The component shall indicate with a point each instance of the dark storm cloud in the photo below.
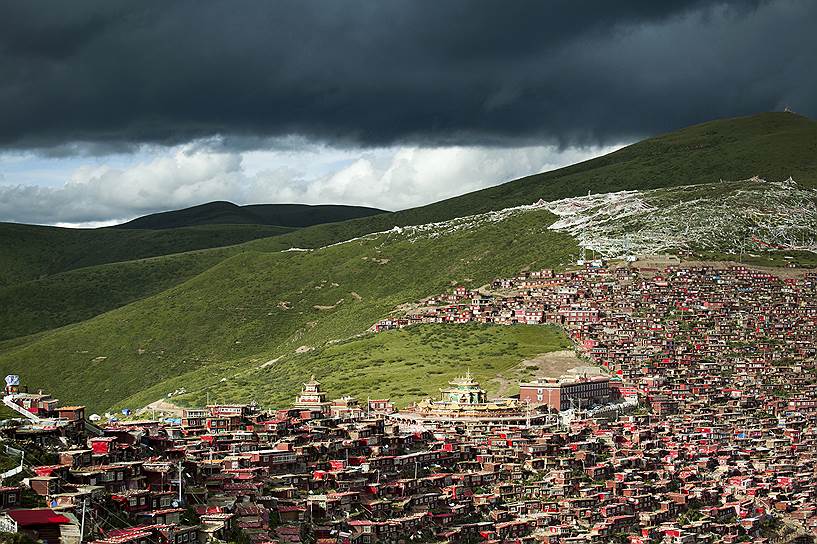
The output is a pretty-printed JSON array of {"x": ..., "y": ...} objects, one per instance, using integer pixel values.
[{"x": 120, "y": 74}]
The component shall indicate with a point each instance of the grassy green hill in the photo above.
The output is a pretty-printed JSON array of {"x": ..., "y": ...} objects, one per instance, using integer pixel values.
[
  {"x": 30, "y": 252},
  {"x": 223, "y": 314},
  {"x": 770, "y": 145},
  {"x": 403, "y": 365},
  {"x": 68, "y": 297},
  {"x": 773, "y": 146},
  {"x": 255, "y": 306},
  {"x": 282, "y": 215},
  {"x": 51, "y": 276}
]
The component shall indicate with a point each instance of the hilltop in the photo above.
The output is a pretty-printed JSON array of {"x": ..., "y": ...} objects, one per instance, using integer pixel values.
[
  {"x": 237, "y": 308},
  {"x": 52, "y": 276},
  {"x": 281, "y": 215},
  {"x": 773, "y": 146},
  {"x": 34, "y": 251}
]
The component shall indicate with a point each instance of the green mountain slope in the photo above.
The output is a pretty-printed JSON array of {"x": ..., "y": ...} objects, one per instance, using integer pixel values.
[
  {"x": 68, "y": 297},
  {"x": 264, "y": 303},
  {"x": 283, "y": 215},
  {"x": 770, "y": 145},
  {"x": 402, "y": 365},
  {"x": 773, "y": 146},
  {"x": 50, "y": 276},
  {"x": 30, "y": 251},
  {"x": 256, "y": 306}
]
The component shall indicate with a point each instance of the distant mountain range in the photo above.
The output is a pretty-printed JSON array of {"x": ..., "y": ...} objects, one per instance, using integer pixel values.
[
  {"x": 124, "y": 316},
  {"x": 227, "y": 213}
]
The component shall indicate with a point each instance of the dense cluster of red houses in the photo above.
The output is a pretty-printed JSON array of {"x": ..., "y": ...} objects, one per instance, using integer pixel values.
[
  {"x": 720, "y": 358},
  {"x": 722, "y": 448}
]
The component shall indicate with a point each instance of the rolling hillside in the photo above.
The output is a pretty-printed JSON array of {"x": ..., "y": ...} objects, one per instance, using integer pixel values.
[
  {"x": 31, "y": 252},
  {"x": 773, "y": 146},
  {"x": 194, "y": 326},
  {"x": 50, "y": 276},
  {"x": 255, "y": 306},
  {"x": 402, "y": 365},
  {"x": 280, "y": 215},
  {"x": 75, "y": 295}
]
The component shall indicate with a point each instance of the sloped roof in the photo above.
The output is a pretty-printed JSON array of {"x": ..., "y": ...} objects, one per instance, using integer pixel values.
[{"x": 37, "y": 516}]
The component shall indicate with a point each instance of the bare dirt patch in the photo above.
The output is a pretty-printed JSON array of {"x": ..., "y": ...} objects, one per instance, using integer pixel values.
[
  {"x": 545, "y": 365},
  {"x": 332, "y": 307},
  {"x": 557, "y": 363},
  {"x": 161, "y": 408}
]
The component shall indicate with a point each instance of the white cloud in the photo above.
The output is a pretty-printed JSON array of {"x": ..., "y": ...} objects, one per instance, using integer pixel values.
[
  {"x": 415, "y": 176},
  {"x": 389, "y": 178}
]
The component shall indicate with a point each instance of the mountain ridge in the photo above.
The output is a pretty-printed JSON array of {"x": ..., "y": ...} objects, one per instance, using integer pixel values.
[{"x": 221, "y": 212}]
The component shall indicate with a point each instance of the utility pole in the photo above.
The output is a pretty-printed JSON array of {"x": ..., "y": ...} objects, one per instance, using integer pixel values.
[
  {"x": 82, "y": 523},
  {"x": 180, "y": 483}
]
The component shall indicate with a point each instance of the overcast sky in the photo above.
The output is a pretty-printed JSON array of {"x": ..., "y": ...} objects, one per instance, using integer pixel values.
[{"x": 109, "y": 110}]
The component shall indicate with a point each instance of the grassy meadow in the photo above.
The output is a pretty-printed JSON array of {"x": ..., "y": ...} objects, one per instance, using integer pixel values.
[
  {"x": 404, "y": 365},
  {"x": 31, "y": 252}
]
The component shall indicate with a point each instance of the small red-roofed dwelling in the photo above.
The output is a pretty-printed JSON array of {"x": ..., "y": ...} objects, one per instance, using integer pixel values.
[
  {"x": 39, "y": 523},
  {"x": 102, "y": 445}
]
